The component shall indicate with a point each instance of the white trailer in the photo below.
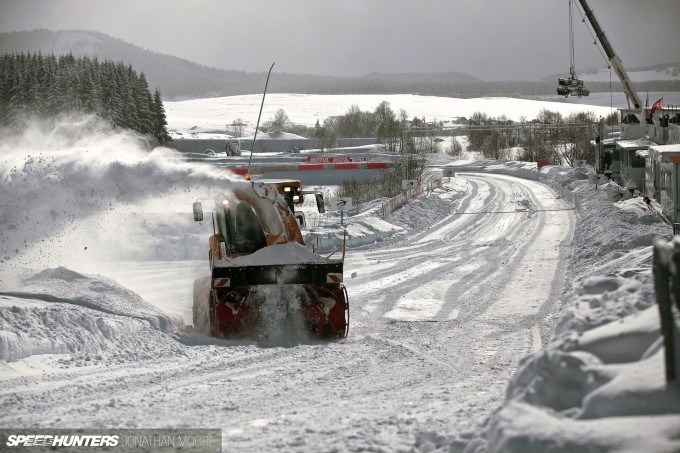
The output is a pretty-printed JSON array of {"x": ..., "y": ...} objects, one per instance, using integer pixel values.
[
  {"x": 632, "y": 154},
  {"x": 662, "y": 176}
]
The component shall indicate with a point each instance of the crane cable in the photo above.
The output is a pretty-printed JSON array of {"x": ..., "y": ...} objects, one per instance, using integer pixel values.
[
  {"x": 604, "y": 57},
  {"x": 611, "y": 93},
  {"x": 572, "y": 68},
  {"x": 583, "y": 19}
]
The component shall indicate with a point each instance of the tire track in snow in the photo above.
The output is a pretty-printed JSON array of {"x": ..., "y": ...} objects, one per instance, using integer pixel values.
[
  {"x": 410, "y": 277},
  {"x": 409, "y": 271},
  {"x": 516, "y": 234},
  {"x": 415, "y": 244},
  {"x": 477, "y": 294}
]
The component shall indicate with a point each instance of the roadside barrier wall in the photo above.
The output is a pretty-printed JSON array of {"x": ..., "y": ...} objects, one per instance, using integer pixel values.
[{"x": 404, "y": 198}]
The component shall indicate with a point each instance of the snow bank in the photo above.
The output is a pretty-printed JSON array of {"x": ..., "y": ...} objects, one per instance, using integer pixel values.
[
  {"x": 525, "y": 170},
  {"x": 359, "y": 232},
  {"x": 61, "y": 311},
  {"x": 599, "y": 385},
  {"x": 622, "y": 340},
  {"x": 522, "y": 428},
  {"x": 365, "y": 225}
]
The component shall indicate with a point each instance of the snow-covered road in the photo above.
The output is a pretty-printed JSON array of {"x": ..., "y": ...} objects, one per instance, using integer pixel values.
[{"x": 440, "y": 318}]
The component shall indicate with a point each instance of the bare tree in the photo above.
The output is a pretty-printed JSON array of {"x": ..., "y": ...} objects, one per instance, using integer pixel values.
[
  {"x": 325, "y": 135},
  {"x": 477, "y": 137},
  {"x": 350, "y": 124},
  {"x": 387, "y": 131},
  {"x": 533, "y": 144},
  {"x": 455, "y": 149},
  {"x": 551, "y": 136},
  {"x": 575, "y": 143},
  {"x": 495, "y": 146},
  {"x": 280, "y": 122},
  {"x": 237, "y": 127},
  {"x": 403, "y": 117}
]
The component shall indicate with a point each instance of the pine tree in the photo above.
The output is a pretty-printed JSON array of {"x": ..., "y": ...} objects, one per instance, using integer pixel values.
[
  {"x": 144, "y": 105},
  {"x": 17, "y": 105},
  {"x": 112, "y": 104},
  {"x": 45, "y": 86},
  {"x": 160, "y": 121}
]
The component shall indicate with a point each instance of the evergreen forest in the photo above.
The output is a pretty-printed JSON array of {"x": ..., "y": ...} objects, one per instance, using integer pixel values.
[{"x": 37, "y": 86}]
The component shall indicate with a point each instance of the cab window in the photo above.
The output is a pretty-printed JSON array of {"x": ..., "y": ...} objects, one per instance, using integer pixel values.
[{"x": 240, "y": 229}]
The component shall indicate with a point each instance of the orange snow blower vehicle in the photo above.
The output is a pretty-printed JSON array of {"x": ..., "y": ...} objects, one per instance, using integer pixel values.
[{"x": 262, "y": 274}]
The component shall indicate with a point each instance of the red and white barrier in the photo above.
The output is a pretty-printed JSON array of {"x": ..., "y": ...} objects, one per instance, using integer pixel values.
[
  {"x": 312, "y": 167},
  {"x": 336, "y": 159},
  {"x": 328, "y": 159}
]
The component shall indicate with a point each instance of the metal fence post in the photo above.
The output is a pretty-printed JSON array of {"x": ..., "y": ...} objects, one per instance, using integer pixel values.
[
  {"x": 665, "y": 285},
  {"x": 675, "y": 305}
]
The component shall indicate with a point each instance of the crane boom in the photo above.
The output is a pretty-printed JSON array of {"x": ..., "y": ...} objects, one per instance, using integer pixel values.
[{"x": 614, "y": 60}]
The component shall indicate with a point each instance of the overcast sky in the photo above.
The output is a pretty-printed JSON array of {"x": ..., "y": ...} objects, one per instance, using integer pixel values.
[{"x": 490, "y": 39}]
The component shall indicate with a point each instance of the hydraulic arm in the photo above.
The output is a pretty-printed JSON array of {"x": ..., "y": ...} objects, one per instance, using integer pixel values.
[{"x": 614, "y": 60}]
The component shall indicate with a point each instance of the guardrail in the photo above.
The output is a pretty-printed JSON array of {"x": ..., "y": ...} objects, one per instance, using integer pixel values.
[{"x": 313, "y": 167}]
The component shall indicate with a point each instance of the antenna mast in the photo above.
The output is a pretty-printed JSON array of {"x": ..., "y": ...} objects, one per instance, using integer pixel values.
[{"x": 257, "y": 126}]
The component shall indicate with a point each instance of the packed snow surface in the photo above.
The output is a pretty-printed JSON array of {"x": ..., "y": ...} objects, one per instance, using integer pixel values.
[{"x": 493, "y": 314}]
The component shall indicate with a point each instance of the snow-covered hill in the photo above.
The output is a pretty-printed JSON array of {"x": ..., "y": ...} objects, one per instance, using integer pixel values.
[{"x": 214, "y": 114}]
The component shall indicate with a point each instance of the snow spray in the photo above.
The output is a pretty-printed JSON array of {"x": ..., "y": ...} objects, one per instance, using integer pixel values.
[
  {"x": 78, "y": 192},
  {"x": 282, "y": 320}
]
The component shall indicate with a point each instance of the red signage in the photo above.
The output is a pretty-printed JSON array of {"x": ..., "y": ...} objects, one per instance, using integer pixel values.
[
  {"x": 542, "y": 162},
  {"x": 328, "y": 159}
]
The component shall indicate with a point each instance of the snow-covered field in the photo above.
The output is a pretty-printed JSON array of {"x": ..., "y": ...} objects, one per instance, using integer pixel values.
[
  {"x": 200, "y": 116},
  {"x": 613, "y": 101},
  {"x": 489, "y": 315}
]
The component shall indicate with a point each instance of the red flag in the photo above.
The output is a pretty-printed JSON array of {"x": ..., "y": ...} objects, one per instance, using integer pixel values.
[{"x": 656, "y": 106}]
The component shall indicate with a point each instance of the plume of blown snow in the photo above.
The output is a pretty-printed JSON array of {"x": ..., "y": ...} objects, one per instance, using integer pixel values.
[{"x": 70, "y": 185}]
